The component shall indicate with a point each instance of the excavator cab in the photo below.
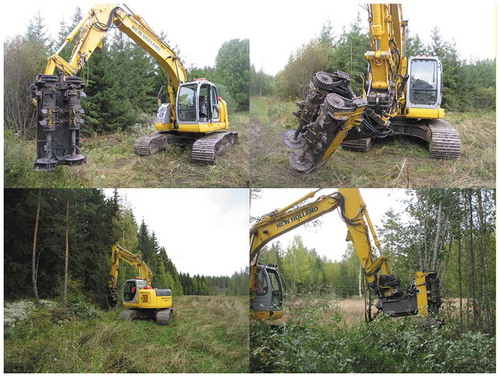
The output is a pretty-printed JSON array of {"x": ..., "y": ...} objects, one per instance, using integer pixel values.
[
  {"x": 131, "y": 288},
  {"x": 267, "y": 293},
  {"x": 197, "y": 102},
  {"x": 424, "y": 84}
]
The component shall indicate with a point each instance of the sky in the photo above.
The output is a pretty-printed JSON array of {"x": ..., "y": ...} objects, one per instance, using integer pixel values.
[
  {"x": 329, "y": 237},
  {"x": 204, "y": 231},
  {"x": 282, "y": 29},
  {"x": 195, "y": 27},
  {"x": 275, "y": 28}
]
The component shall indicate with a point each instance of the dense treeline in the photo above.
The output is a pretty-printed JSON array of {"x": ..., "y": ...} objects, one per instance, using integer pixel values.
[
  {"x": 261, "y": 84},
  {"x": 237, "y": 284},
  {"x": 467, "y": 85},
  {"x": 306, "y": 272},
  {"x": 451, "y": 232},
  {"x": 122, "y": 80},
  {"x": 36, "y": 223}
]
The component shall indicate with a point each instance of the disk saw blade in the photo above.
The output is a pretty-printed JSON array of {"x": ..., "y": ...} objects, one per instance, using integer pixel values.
[{"x": 291, "y": 141}]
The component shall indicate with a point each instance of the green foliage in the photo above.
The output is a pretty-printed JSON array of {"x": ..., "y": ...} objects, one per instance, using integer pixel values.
[
  {"x": 467, "y": 86},
  {"x": 232, "y": 69},
  {"x": 294, "y": 78},
  {"x": 89, "y": 215},
  {"x": 206, "y": 335},
  {"x": 304, "y": 271},
  {"x": 261, "y": 84},
  {"x": 23, "y": 59},
  {"x": 349, "y": 50},
  {"x": 383, "y": 346},
  {"x": 84, "y": 310},
  {"x": 120, "y": 86},
  {"x": 325, "y": 53},
  {"x": 452, "y": 233}
]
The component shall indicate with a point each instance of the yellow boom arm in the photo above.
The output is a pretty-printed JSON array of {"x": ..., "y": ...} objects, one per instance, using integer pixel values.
[
  {"x": 119, "y": 253},
  {"x": 353, "y": 212},
  {"x": 387, "y": 56},
  {"x": 93, "y": 28}
]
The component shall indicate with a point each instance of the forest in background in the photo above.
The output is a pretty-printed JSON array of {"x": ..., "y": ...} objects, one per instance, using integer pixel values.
[
  {"x": 94, "y": 224},
  {"x": 448, "y": 231},
  {"x": 122, "y": 79},
  {"x": 468, "y": 85}
]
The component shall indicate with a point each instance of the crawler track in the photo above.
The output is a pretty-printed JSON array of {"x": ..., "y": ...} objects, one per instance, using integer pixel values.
[
  {"x": 444, "y": 141},
  {"x": 361, "y": 145},
  {"x": 151, "y": 144},
  {"x": 163, "y": 317},
  {"x": 205, "y": 148},
  {"x": 208, "y": 148}
]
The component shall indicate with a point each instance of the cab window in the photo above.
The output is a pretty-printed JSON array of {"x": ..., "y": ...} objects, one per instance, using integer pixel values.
[
  {"x": 129, "y": 291},
  {"x": 424, "y": 82},
  {"x": 261, "y": 287},
  {"x": 186, "y": 103},
  {"x": 204, "y": 103},
  {"x": 214, "y": 99},
  {"x": 277, "y": 298}
]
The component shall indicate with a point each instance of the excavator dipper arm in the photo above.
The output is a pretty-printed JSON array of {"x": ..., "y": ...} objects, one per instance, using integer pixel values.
[{"x": 118, "y": 254}]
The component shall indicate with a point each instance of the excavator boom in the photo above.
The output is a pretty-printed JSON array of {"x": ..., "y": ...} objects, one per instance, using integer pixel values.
[
  {"x": 94, "y": 27},
  {"x": 265, "y": 284}
]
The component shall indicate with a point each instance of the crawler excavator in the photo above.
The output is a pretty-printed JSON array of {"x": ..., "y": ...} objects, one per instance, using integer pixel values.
[
  {"x": 140, "y": 299},
  {"x": 266, "y": 287},
  {"x": 194, "y": 115},
  {"x": 401, "y": 96}
]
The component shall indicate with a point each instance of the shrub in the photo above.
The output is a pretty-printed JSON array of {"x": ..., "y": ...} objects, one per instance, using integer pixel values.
[{"x": 386, "y": 345}]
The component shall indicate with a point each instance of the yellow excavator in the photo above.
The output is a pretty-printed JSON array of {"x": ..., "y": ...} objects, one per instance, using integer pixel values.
[
  {"x": 266, "y": 286},
  {"x": 401, "y": 96},
  {"x": 195, "y": 113},
  {"x": 140, "y": 299}
]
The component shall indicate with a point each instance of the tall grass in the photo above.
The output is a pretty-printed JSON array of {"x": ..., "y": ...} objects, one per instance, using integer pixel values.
[{"x": 207, "y": 334}]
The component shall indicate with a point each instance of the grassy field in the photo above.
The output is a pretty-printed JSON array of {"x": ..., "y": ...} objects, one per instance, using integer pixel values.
[
  {"x": 330, "y": 336},
  {"x": 207, "y": 334},
  {"x": 396, "y": 162},
  {"x": 111, "y": 162}
]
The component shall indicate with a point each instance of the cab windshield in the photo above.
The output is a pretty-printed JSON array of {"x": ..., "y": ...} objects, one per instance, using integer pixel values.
[
  {"x": 186, "y": 103},
  {"x": 424, "y": 82}
]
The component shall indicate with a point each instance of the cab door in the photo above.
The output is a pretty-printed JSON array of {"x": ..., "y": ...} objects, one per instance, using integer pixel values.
[
  {"x": 268, "y": 294},
  {"x": 214, "y": 104},
  {"x": 424, "y": 84}
]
